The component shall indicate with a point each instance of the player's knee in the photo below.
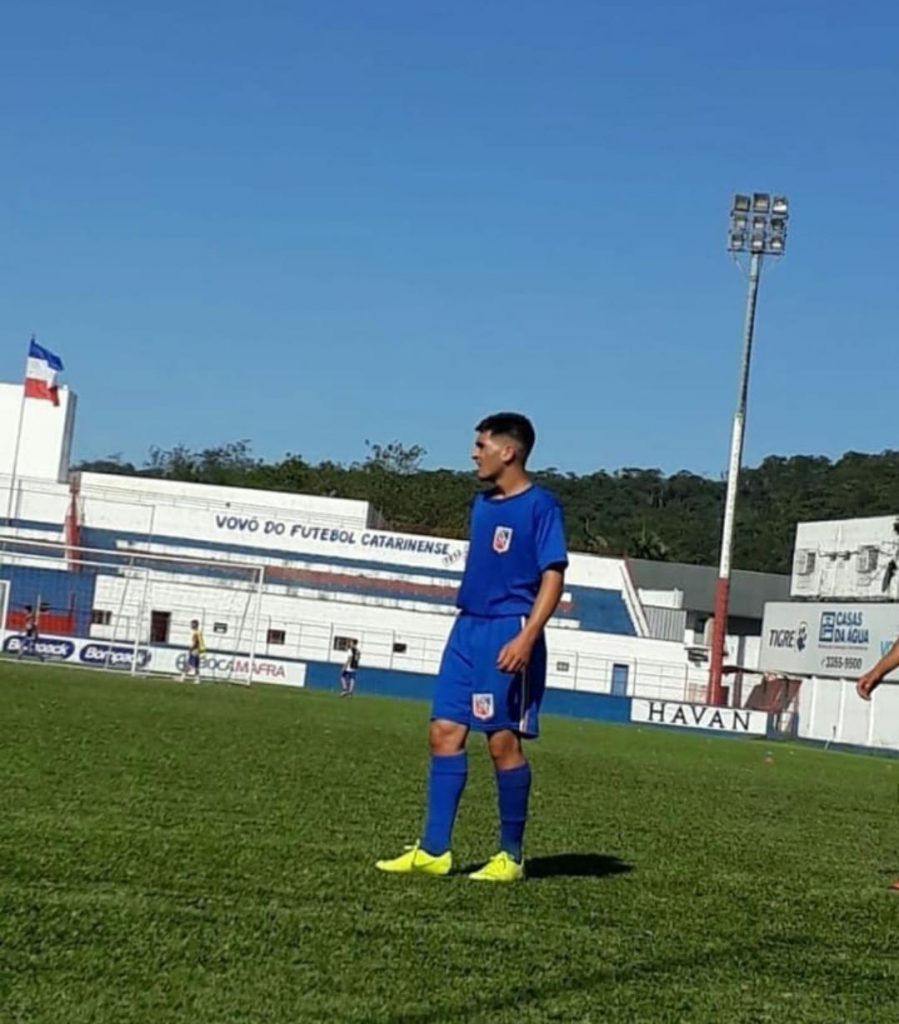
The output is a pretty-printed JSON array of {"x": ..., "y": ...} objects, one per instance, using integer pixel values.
[
  {"x": 446, "y": 738},
  {"x": 505, "y": 749}
]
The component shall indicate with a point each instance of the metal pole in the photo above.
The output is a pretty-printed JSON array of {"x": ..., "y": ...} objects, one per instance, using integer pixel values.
[
  {"x": 119, "y": 615},
  {"x": 722, "y": 590},
  {"x": 139, "y": 624},
  {"x": 254, "y": 640},
  {"x": 15, "y": 458}
]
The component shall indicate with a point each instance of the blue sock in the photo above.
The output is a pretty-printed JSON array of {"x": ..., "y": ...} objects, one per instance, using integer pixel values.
[
  {"x": 445, "y": 786},
  {"x": 514, "y": 788}
]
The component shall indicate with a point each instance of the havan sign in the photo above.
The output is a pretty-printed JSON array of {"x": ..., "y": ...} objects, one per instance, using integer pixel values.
[{"x": 699, "y": 716}]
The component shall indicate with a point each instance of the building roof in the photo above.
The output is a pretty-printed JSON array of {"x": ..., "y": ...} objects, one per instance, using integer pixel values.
[{"x": 749, "y": 591}]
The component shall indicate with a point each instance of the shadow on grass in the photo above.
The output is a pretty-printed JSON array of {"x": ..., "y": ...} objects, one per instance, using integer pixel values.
[
  {"x": 568, "y": 865},
  {"x": 576, "y": 865}
]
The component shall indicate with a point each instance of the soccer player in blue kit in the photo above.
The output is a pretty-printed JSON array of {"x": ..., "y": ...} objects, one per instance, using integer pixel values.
[{"x": 493, "y": 671}]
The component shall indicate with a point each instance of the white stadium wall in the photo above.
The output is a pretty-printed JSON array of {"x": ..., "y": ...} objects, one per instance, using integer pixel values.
[
  {"x": 45, "y": 440},
  {"x": 39, "y": 507},
  {"x": 805, "y": 638},
  {"x": 844, "y": 618},
  {"x": 846, "y": 559},
  {"x": 330, "y": 570},
  {"x": 330, "y": 542},
  {"x": 828, "y": 645},
  {"x": 831, "y": 711},
  {"x": 577, "y": 659},
  {"x": 662, "y": 598},
  {"x": 149, "y": 506},
  {"x": 168, "y": 514}
]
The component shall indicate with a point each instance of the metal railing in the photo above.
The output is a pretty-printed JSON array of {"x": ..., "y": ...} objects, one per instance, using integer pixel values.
[{"x": 138, "y": 598}]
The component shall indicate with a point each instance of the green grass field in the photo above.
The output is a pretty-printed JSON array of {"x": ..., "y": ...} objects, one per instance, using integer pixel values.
[{"x": 173, "y": 853}]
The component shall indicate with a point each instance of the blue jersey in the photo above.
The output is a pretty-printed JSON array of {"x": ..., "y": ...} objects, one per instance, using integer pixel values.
[{"x": 513, "y": 541}]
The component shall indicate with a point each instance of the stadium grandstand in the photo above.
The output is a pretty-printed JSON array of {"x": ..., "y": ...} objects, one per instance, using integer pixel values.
[{"x": 117, "y": 566}]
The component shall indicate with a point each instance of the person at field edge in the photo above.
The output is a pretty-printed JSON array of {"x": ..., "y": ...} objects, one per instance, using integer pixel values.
[
  {"x": 869, "y": 682},
  {"x": 28, "y": 644},
  {"x": 493, "y": 671},
  {"x": 196, "y": 650},
  {"x": 350, "y": 668}
]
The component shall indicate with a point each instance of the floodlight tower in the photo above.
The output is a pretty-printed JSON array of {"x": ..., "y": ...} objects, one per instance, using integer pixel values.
[{"x": 758, "y": 226}]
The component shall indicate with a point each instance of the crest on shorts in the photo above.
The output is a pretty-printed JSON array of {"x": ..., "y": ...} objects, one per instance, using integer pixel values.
[
  {"x": 482, "y": 706},
  {"x": 502, "y": 539}
]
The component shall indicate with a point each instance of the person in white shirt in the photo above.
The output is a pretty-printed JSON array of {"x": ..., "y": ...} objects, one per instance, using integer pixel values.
[{"x": 350, "y": 668}]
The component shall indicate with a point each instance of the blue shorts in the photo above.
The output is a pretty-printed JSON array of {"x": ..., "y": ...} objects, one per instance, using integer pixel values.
[
  {"x": 193, "y": 661},
  {"x": 472, "y": 691}
]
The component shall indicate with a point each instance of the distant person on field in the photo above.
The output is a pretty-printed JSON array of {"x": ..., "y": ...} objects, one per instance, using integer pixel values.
[
  {"x": 869, "y": 682},
  {"x": 350, "y": 668},
  {"x": 196, "y": 650},
  {"x": 30, "y": 637}
]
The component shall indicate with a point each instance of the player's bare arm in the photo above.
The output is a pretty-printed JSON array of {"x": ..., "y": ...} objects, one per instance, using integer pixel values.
[
  {"x": 871, "y": 680},
  {"x": 517, "y": 653}
]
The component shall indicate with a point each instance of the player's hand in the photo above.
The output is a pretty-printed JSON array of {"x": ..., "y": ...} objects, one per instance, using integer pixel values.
[
  {"x": 516, "y": 654},
  {"x": 867, "y": 685}
]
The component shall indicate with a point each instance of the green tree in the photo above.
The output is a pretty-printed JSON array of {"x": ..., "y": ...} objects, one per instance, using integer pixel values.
[
  {"x": 642, "y": 512},
  {"x": 394, "y": 457}
]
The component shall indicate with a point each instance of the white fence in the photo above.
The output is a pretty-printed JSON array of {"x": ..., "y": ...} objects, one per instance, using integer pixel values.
[
  {"x": 138, "y": 599},
  {"x": 831, "y": 711}
]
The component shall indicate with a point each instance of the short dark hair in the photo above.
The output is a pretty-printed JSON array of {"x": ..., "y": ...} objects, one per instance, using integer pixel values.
[{"x": 511, "y": 424}]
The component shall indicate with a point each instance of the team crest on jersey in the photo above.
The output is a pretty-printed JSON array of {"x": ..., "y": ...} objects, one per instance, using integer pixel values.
[
  {"x": 502, "y": 539},
  {"x": 482, "y": 706}
]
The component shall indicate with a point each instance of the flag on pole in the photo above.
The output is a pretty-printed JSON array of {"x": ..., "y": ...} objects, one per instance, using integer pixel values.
[{"x": 41, "y": 371}]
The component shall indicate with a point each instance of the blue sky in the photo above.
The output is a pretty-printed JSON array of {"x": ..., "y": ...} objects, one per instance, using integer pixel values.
[{"x": 308, "y": 224}]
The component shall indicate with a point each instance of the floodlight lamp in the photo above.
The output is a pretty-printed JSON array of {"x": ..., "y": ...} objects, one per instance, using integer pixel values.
[
  {"x": 780, "y": 207},
  {"x": 759, "y": 224},
  {"x": 739, "y": 222},
  {"x": 776, "y": 245},
  {"x": 737, "y": 241},
  {"x": 778, "y": 226},
  {"x": 742, "y": 204},
  {"x": 757, "y": 243},
  {"x": 761, "y": 202}
]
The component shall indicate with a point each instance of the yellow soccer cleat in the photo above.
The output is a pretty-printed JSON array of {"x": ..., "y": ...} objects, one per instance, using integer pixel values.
[
  {"x": 501, "y": 868},
  {"x": 416, "y": 861}
]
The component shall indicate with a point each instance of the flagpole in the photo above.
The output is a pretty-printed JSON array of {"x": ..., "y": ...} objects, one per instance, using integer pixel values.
[{"x": 15, "y": 458}]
